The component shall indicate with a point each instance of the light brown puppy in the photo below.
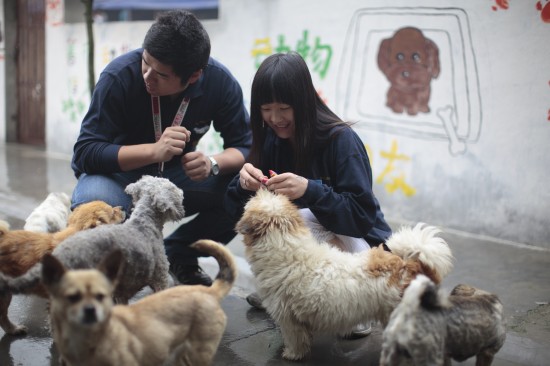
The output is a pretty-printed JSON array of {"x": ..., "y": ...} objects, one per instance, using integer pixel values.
[
  {"x": 21, "y": 249},
  {"x": 182, "y": 325}
]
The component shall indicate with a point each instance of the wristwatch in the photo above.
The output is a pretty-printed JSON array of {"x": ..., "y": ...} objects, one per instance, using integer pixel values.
[{"x": 215, "y": 169}]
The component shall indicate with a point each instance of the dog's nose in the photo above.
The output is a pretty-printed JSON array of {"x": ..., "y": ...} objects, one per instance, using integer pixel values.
[
  {"x": 89, "y": 314},
  {"x": 405, "y": 74}
]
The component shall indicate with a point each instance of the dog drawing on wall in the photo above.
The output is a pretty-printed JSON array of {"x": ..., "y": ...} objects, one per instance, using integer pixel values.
[{"x": 409, "y": 61}]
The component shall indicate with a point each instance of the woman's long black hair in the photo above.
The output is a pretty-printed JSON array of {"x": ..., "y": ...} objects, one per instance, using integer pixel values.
[{"x": 285, "y": 78}]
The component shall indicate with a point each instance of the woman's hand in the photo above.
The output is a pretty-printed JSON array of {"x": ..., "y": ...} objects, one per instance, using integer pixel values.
[
  {"x": 250, "y": 178},
  {"x": 291, "y": 185}
]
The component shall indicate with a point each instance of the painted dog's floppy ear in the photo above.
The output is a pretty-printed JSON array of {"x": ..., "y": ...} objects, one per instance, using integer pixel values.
[
  {"x": 433, "y": 58},
  {"x": 384, "y": 56}
]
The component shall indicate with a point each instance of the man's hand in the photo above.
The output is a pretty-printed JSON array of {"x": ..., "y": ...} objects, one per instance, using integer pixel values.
[
  {"x": 196, "y": 165},
  {"x": 171, "y": 143}
]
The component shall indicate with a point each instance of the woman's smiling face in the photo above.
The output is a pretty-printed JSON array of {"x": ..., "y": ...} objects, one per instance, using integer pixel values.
[{"x": 280, "y": 117}]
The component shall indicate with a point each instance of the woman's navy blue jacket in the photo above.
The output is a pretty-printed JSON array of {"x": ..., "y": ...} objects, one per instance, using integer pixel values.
[{"x": 339, "y": 191}]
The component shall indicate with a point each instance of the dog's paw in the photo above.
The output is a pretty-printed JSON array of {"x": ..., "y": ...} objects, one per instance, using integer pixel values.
[
  {"x": 292, "y": 355},
  {"x": 17, "y": 330}
]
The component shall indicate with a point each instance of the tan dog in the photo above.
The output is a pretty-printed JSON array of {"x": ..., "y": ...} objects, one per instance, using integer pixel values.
[
  {"x": 308, "y": 287},
  {"x": 182, "y": 325},
  {"x": 410, "y": 61},
  {"x": 429, "y": 327},
  {"x": 21, "y": 249}
]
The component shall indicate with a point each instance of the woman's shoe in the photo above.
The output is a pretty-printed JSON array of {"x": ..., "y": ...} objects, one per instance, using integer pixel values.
[{"x": 359, "y": 331}]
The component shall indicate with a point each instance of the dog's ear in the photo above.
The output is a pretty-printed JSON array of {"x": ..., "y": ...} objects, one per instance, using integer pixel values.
[
  {"x": 52, "y": 271},
  {"x": 242, "y": 227},
  {"x": 433, "y": 58},
  {"x": 134, "y": 190},
  {"x": 112, "y": 265},
  {"x": 384, "y": 55}
]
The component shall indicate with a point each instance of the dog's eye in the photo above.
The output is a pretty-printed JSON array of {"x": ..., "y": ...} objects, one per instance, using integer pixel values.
[
  {"x": 416, "y": 57},
  {"x": 74, "y": 298},
  {"x": 400, "y": 56},
  {"x": 99, "y": 297}
]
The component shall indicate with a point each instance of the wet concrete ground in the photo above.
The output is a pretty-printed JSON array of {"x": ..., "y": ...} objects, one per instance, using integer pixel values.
[{"x": 520, "y": 275}]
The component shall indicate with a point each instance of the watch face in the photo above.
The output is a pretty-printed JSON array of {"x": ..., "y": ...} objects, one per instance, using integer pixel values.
[{"x": 215, "y": 168}]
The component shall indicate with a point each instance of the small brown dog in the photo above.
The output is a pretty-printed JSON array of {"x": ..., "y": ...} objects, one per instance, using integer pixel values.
[
  {"x": 410, "y": 61},
  {"x": 21, "y": 249},
  {"x": 429, "y": 327},
  {"x": 182, "y": 325}
]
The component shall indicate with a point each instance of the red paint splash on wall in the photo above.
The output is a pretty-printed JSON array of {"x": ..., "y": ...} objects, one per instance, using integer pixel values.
[
  {"x": 544, "y": 7},
  {"x": 500, "y": 4}
]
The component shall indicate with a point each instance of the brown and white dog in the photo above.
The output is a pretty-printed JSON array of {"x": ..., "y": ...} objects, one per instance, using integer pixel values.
[
  {"x": 409, "y": 61},
  {"x": 20, "y": 249},
  {"x": 429, "y": 327},
  {"x": 182, "y": 325},
  {"x": 307, "y": 286}
]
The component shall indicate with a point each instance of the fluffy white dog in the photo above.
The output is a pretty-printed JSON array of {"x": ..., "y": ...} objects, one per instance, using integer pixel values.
[
  {"x": 307, "y": 286},
  {"x": 51, "y": 215}
]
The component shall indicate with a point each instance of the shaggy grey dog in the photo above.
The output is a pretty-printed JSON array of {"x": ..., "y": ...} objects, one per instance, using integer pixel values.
[
  {"x": 156, "y": 201},
  {"x": 429, "y": 328}
]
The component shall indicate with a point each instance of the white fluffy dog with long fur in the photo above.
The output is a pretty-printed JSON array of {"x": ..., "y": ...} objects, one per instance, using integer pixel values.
[
  {"x": 51, "y": 215},
  {"x": 308, "y": 287}
]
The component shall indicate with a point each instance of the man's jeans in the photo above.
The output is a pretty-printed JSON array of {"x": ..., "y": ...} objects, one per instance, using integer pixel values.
[{"x": 204, "y": 198}]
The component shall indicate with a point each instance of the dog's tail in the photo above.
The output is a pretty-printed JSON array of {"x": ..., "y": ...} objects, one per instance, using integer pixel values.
[
  {"x": 21, "y": 284},
  {"x": 423, "y": 244},
  {"x": 228, "y": 268},
  {"x": 423, "y": 293}
]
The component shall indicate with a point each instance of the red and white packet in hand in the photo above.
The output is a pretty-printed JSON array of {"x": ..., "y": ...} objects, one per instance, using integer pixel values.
[{"x": 271, "y": 175}]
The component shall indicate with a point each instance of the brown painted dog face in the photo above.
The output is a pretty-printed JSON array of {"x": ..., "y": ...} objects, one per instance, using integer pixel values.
[{"x": 409, "y": 61}]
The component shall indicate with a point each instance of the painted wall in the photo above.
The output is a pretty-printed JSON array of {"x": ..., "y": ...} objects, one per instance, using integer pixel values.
[{"x": 475, "y": 161}]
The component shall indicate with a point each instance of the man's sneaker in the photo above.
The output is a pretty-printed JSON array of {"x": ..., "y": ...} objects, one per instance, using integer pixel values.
[
  {"x": 359, "y": 331},
  {"x": 189, "y": 274},
  {"x": 255, "y": 301}
]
